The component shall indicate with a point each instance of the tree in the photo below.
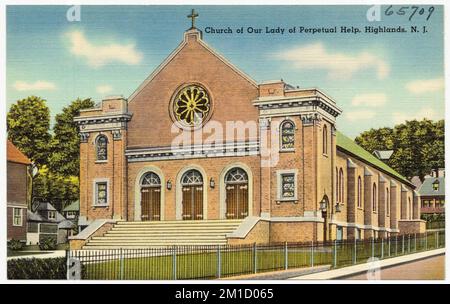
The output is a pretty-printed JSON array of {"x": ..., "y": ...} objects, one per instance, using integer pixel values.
[
  {"x": 55, "y": 188},
  {"x": 64, "y": 158},
  {"x": 28, "y": 123},
  {"x": 418, "y": 146}
]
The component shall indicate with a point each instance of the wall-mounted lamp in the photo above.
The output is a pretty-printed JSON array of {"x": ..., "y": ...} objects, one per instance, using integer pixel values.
[
  {"x": 212, "y": 184},
  {"x": 337, "y": 208},
  {"x": 169, "y": 185},
  {"x": 323, "y": 204}
]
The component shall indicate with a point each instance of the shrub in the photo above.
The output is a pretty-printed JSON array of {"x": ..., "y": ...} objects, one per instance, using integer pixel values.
[
  {"x": 47, "y": 243},
  {"x": 15, "y": 245},
  {"x": 37, "y": 269}
]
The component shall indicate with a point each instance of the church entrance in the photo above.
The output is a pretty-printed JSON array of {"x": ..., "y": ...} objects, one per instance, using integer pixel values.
[
  {"x": 236, "y": 183},
  {"x": 150, "y": 197},
  {"x": 192, "y": 195}
]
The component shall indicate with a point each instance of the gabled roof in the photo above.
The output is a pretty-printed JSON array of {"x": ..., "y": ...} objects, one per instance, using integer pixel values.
[
  {"x": 427, "y": 187},
  {"x": 15, "y": 155},
  {"x": 66, "y": 224},
  {"x": 383, "y": 154},
  {"x": 349, "y": 146},
  {"x": 74, "y": 206},
  {"x": 177, "y": 50},
  {"x": 45, "y": 207}
]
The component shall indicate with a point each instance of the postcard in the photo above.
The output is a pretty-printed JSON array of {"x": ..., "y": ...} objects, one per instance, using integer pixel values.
[{"x": 225, "y": 142}]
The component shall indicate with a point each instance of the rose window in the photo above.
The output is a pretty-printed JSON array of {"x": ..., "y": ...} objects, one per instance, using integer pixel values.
[{"x": 191, "y": 105}]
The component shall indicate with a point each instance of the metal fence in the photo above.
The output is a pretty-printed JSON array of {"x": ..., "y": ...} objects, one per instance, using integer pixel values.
[{"x": 211, "y": 262}]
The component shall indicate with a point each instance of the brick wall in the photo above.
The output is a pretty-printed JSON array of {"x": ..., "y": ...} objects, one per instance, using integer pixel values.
[{"x": 16, "y": 232}]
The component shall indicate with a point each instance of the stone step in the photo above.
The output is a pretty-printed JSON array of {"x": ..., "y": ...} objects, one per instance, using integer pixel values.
[
  {"x": 157, "y": 237},
  {"x": 119, "y": 243},
  {"x": 143, "y": 246},
  {"x": 170, "y": 223},
  {"x": 174, "y": 226},
  {"x": 168, "y": 231}
]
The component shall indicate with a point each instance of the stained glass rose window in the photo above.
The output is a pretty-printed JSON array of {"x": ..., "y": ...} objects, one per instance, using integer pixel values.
[{"x": 191, "y": 105}]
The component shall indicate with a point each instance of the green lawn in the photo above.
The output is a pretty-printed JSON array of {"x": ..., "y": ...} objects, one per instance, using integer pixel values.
[{"x": 202, "y": 265}]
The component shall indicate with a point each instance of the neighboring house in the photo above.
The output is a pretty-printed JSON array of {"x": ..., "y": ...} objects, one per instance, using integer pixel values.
[
  {"x": 46, "y": 221},
  {"x": 72, "y": 211},
  {"x": 18, "y": 191},
  {"x": 432, "y": 201}
]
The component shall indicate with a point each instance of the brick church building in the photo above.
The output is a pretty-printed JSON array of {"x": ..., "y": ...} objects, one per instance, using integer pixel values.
[{"x": 199, "y": 142}]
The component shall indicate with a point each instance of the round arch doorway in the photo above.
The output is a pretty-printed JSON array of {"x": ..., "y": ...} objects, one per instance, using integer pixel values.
[
  {"x": 236, "y": 200},
  {"x": 150, "y": 197},
  {"x": 192, "y": 195}
]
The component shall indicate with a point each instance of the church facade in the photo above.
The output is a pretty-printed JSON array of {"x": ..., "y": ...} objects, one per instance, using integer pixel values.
[{"x": 199, "y": 140}]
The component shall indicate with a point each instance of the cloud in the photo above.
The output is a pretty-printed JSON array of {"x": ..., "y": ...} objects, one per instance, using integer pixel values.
[
  {"x": 39, "y": 85},
  {"x": 401, "y": 117},
  {"x": 338, "y": 65},
  {"x": 425, "y": 86},
  {"x": 99, "y": 55},
  {"x": 369, "y": 100},
  {"x": 103, "y": 89},
  {"x": 359, "y": 115}
]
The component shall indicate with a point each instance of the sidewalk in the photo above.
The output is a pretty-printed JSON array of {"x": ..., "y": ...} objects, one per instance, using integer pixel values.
[
  {"x": 361, "y": 268},
  {"x": 53, "y": 254}
]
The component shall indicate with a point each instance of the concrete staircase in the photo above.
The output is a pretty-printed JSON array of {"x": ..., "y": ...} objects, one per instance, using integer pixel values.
[{"x": 165, "y": 233}]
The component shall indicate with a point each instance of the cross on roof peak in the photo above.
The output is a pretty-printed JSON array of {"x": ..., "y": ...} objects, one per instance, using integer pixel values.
[{"x": 193, "y": 15}]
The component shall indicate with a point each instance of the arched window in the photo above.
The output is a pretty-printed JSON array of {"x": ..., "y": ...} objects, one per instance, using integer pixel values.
[
  {"x": 410, "y": 208},
  {"x": 341, "y": 186},
  {"x": 374, "y": 197},
  {"x": 236, "y": 175},
  {"x": 388, "y": 202},
  {"x": 359, "y": 192},
  {"x": 192, "y": 177},
  {"x": 325, "y": 140},
  {"x": 151, "y": 180},
  {"x": 287, "y": 135},
  {"x": 337, "y": 185},
  {"x": 101, "y": 147}
]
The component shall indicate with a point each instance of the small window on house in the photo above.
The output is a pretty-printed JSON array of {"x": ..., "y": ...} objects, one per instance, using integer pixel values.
[
  {"x": 17, "y": 217},
  {"x": 359, "y": 192},
  {"x": 436, "y": 185},
  {"x": 288, "y": 186},
  {"x": 52, "y": 215},
  {"x": 374, "y": 198},
  {"x": 101, "y": 147},
  {"x": 325, "y": 140},
  {"x": 101, "y": 197},
  {"x": 287, "y": 135},
  {"x": 71, "y": 214}
]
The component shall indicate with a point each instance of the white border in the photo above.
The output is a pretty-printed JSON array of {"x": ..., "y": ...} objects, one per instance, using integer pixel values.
[{"x": 203, "y": 2}]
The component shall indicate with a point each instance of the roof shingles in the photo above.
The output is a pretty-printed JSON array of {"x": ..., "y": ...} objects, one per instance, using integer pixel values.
[
  {"x": 349, "y": 146},
  {"x": 15, "y": 155}
]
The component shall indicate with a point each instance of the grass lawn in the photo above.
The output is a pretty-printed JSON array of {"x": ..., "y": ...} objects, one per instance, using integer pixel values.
[{"x": 202, "y": 265}]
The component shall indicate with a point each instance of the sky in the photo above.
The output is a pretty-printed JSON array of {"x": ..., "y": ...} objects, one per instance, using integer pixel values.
[{"x": 378, "y": 80}]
